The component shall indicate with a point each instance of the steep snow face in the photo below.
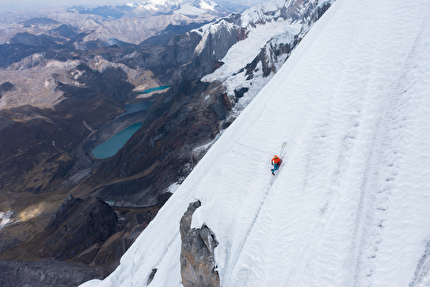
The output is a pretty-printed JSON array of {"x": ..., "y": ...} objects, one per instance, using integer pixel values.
[{"x": 349, "y": 206}]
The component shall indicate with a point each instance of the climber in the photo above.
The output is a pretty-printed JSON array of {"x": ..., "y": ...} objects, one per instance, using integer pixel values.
[{"x": 276, "y": 162}]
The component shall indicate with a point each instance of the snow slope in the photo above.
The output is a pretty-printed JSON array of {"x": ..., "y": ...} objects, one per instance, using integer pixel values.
[{"x": 350, "y": 206}]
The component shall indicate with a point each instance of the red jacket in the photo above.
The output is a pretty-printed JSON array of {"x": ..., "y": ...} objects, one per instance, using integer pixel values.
[{"x": 276, "y": 160}]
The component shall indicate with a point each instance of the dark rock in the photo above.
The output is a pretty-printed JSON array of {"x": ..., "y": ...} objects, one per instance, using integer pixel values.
[
  {"x": 164, "y": 37},
  {"x": 162, "y": 199},
  {"x": 215, "y": 48},
  {"x": 220, "y": 107},
  {"x": 62, "y": 214},
  {"x": 6, "y": 87},
  {"x": 110, "y": 255},
  {"x": 76, "y": 226},
  {"x": 10, "y": 54},
  {"x": 218, "y": 64},
  {"x": 166, "y": 61},
  {"x": 228, "y": 122},
  {"x": 239, "y": 93},
  {"x": 46, "y": 273},
  {"x": 151, "y": 276},
  {"x": 64, "y": 30},
  {"x": 32, "y": 40},
  {"x": 40, "y": 21},
  {"x": 111, "y": 82},
  {"x": 198, "y": 265},
  {"x": 144, "y": 217}
]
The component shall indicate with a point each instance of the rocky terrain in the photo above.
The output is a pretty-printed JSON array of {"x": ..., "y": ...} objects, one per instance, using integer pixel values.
[
  {"x": 46, "y": 273},
  {"x": 61, "y": 95}
]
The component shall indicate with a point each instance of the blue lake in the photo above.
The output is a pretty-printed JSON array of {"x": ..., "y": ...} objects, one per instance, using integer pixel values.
[
  {"x": 155, "y": 89},
  {"x": 112, "y": 145}
]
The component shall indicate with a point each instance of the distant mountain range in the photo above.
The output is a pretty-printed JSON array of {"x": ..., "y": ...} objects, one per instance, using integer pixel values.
[{"x": 131, "y": 23}]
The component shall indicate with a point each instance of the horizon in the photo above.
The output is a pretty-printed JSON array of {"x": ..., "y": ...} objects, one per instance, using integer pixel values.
[
  {"x": 10, "y": 6},
  {"x": 7, "y": 6}
]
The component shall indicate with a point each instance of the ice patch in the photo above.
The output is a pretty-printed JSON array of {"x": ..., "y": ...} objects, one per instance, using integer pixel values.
[
  {"x": 5, "y": 218},
  {"x": 172, "y": 188}
]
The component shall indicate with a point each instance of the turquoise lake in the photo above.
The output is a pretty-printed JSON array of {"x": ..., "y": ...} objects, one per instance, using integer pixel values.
[
  {"x": 155, "y": 89},
  {"x": 112, "y": 145}
]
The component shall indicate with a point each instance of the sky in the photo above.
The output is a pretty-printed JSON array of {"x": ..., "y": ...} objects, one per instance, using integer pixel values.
[{"x": 13, "y": 5}]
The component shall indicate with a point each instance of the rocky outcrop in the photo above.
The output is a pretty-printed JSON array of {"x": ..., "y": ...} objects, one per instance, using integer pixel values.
[
  {"x": 198, "y": 265},
  {"x": 213, "y": 47},
  {"x": 77, "y": 226},
  {"x": 85, "y": 239},
  {"x": 74, "y": 234}
]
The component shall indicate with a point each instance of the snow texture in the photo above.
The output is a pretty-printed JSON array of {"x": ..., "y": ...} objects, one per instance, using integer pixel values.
[{"x": 350, "y": 206}]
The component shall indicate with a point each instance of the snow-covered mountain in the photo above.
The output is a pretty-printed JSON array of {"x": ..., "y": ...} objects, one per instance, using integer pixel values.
[
  {"x": 349, "y": 206},
  {"x": 147, "y": 18},
  {"x": 197, "y": 7},
  {"x": 265, "y": 36}
]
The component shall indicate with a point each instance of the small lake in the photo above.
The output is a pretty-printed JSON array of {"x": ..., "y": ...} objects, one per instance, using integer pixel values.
[
  {"x": 111, "y": 146},
  {"x": 137, "y": 107},
  {"x": 155, "y": 89}
]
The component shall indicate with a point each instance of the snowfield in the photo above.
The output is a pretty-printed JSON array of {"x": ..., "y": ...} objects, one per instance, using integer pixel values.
[{"x": 351, "y": 203}]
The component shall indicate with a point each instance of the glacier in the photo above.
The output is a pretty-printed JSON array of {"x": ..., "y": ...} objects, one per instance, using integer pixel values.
[{"x": 350, "y": 205}]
